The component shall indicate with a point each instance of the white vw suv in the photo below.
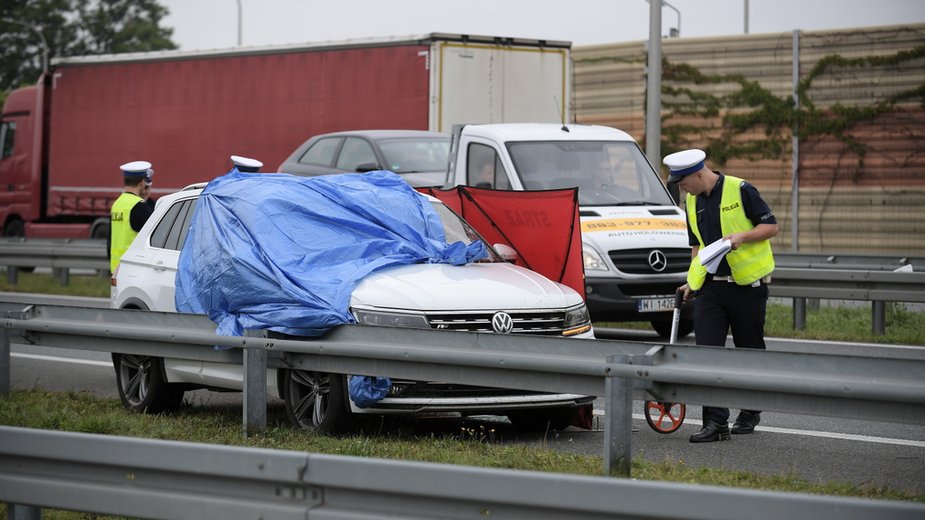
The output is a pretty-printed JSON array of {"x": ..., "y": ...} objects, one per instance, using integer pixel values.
[{"x": 491, "y": 296}]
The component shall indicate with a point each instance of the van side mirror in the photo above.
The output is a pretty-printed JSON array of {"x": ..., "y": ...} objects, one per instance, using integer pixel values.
[{"x": 508, "y": 253}]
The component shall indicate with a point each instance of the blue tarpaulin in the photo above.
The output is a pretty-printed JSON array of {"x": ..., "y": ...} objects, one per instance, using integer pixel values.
[{"x": 281, "y": 252}]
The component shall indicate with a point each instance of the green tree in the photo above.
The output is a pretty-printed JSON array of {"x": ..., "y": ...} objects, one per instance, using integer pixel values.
[{"x": 74, "y": 28}]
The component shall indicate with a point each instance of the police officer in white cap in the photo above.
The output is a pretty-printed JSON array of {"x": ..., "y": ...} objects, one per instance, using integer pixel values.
[
  {"x": 246, "y": 164},
  {"x": 725, "y": 207},
  {"x": 131, "y": 210}
]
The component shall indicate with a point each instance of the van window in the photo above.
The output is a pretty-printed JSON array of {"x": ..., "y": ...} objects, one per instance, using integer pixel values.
[
  {"x": 7, "y": 138},
  {"x": 321, "y": 152},
  {"x": 484, "y": 168}
]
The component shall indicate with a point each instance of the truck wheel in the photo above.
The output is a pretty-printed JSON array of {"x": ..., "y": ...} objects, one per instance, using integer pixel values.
[
  {"x": 544, "y": 419},
  {"x": 317, "y": 401},
  {"x": 663, "y": 328},
  {"x": 14, "y": 228},
  {"x": 17, "y": 229},
  {"x": 142, "y": 387}
]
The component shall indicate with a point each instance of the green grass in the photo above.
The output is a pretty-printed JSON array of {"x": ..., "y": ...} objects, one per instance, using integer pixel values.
[
  {"x": 845, "y": 323},
  {"x": 83, "y": 285},
  {"x": 477, "y": 446}
]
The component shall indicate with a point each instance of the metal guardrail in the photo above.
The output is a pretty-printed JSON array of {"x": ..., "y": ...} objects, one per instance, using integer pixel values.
[
  {"x": 800, "y": 276},
  {"x": 178, "y": 480},
  {"x": 848, "y": 261},
  {"x": 871, "y": 388},
  {"x": 62, "y": 255}
]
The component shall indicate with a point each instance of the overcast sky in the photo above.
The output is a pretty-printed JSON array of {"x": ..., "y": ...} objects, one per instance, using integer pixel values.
[{"x": 211, "y": 24}]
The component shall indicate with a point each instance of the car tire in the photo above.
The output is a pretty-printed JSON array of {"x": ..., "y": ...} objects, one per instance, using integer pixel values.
[
  {"x": 544, "y": 419},
  {"x": 663, "y": 328},
  {"x": 317, "y": 401},
  {"x": 142, "y": 386}
]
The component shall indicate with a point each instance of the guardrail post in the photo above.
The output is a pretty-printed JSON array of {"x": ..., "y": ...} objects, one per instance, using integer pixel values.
[
  {"x": 799, "y": 313},
  {"x": 878, "y": 317},
  {"x": 255, "y": 386},
  {"x": 64, "y": 275},
  {"x": 618, "y": 422},
  {"x": 4, "y": 361},
  {"x": 21, "y": 512},
  {"x": 12, "y": 273}
]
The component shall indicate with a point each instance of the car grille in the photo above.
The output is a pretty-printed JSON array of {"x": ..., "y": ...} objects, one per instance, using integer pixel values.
[
  {"x": 636, "y": 261},
  {"x": 548, "y": 323}
]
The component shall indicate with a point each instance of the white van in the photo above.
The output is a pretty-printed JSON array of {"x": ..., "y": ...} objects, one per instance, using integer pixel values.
[{"x": 634, "y": 236}]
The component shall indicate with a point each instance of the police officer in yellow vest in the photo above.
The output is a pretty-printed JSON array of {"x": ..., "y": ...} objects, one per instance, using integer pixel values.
[
  {"x": 131, "y": 210},
  {"x": 725, "y": 207}
]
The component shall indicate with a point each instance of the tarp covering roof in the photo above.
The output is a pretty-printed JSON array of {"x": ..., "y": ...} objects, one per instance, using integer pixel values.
[
  {"x": 542, "y": 226},
  {"x": 280, "y": 252}
]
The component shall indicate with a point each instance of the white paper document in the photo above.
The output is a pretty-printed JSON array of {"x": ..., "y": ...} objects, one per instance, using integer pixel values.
[{"x": 711, "y": 255}]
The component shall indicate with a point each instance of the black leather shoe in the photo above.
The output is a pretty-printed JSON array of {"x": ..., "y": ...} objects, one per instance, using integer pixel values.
[
  {"x": 711, "y": 432},
  {"x": 746, "y": 422}
]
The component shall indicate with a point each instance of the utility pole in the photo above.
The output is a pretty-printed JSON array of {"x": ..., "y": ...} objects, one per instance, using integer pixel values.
[
  {"x": 239, "y": 22},
  {"x": 654, "y": 85}
]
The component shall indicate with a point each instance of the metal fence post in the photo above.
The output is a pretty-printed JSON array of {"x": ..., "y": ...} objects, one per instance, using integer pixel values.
[
  {"x": 21, "y": 512},
  {"x": 4, "y": 361},
  {"x": 12, "y": 273},
  {"x": 255, "y": 386},
  {"x": 799, "y": 313},
  {"x": 618, "y": 422},
  {"x": 878, "y": 317},
  {"x": 64, "y": 275}
]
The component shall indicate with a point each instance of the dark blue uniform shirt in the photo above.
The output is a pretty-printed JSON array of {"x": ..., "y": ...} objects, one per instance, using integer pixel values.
[{"x": 756, "y": 209}]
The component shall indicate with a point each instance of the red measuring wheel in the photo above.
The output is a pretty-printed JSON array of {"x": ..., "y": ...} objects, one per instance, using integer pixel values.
[{"x": 665, "y": 417}]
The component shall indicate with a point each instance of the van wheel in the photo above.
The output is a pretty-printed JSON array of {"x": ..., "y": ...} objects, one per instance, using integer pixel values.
[
  {"x": 142, "y": 387},
  {"x": 663, "y": 328},
  {"x": 317, "y": 401},
  {"x": 544, "y": 419}
]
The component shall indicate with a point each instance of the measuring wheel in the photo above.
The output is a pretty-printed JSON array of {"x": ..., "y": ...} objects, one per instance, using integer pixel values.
[{"x": 664, "y": 417}]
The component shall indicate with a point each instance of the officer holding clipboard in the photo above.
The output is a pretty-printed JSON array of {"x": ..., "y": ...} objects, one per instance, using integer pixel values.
[{"x": 733, "y": 293}]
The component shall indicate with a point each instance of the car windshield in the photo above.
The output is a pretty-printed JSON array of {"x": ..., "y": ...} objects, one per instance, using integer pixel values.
[
  {"x": 606, "y": 173},
  {"x": 458, "y": 230},
  {"x": 416, "y": 154}
]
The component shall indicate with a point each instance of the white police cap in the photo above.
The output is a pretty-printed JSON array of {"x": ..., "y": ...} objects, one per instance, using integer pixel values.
[
  {"x": 136, "y": 169},
  {"x": 246, "y": 164},
  {"x": 681, "y": 164}
]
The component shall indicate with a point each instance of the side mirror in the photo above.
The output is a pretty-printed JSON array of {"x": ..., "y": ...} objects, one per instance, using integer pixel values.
[
  {"x": 508, "y": 253},
  {"x": 367, "y": 167}
]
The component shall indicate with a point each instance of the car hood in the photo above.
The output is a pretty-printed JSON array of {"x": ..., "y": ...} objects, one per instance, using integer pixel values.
[
  {"x": 424, "y": 179},
  {"x": 478, "y": 286},
  {"x": 633, "y": 227}
]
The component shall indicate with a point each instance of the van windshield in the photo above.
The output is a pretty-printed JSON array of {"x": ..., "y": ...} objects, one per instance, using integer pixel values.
[{"x": 606, "y": 173}]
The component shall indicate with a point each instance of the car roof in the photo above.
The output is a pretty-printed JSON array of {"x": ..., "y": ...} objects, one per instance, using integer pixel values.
[{"x": 384, "y": 134}]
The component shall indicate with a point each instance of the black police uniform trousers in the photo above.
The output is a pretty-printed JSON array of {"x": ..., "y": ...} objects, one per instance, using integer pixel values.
[{"x": 720, "y": 305}]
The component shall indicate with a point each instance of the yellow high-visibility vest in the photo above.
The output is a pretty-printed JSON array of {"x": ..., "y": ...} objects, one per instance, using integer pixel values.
[
  {"x": 749, "y": 262},
  {"x": 120, "y": 229}
]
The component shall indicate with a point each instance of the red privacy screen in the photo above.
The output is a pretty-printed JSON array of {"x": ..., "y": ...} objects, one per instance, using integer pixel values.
[{"x": 542, "y": 226}]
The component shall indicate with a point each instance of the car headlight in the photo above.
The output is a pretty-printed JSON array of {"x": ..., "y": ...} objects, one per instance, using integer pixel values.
[
  {"x": 390, "y": 319},
  {"x": 593, "y": 260},
  {"x": 577, "y": 321}
]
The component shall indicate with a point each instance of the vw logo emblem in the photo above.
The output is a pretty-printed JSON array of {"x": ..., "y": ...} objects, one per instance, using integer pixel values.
[
  {"x": 502, "y": 323},
  {"x": 658, "y": 261}
]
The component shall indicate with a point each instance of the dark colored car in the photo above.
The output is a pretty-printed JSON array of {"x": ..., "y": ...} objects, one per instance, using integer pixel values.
[{"x": 419, "y": 156}]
